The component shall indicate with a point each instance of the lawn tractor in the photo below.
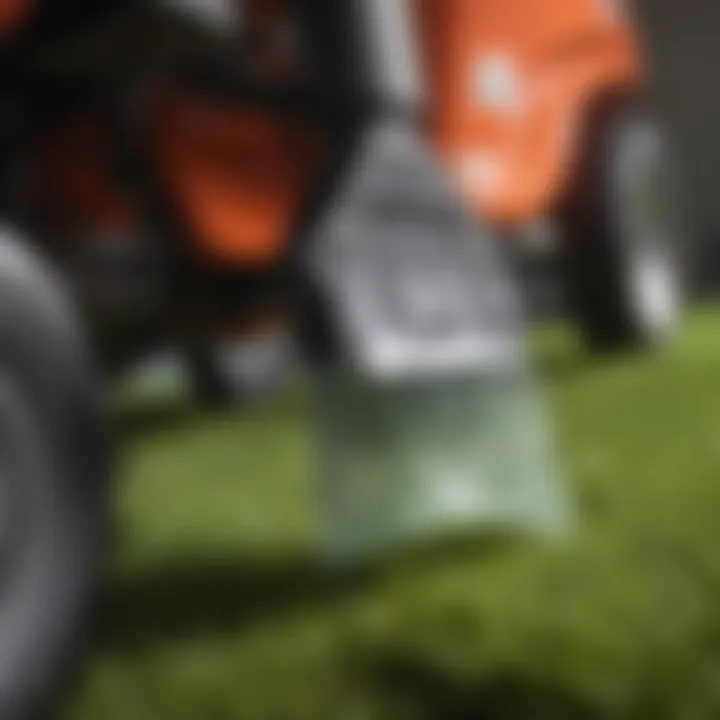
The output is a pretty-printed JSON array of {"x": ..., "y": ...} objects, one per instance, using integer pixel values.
[
  {"x": 186, "y": 172},
  {"x": 539, "y": 111}
]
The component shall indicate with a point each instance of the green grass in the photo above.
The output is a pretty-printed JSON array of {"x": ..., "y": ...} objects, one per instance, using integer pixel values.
[{"x": 219, "y": 608}]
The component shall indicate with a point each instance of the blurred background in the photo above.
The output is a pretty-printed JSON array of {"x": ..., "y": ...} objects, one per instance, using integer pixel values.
[{"x": 681, "y": 36}]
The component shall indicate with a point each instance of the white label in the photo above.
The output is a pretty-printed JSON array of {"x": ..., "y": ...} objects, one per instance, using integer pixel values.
[{"x": 496, "y": 83}]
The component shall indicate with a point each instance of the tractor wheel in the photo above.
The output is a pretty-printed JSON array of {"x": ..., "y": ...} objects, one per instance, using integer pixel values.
[
  {"x": 622, "y": 244},
  {"x": 54, "y": 490}
]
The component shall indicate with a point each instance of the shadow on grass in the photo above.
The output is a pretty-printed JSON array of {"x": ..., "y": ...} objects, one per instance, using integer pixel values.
[
  {"x": 151, "y": 418},
  {"x": 169, "y": 415},
  {"x": 434, "y": 692},
  {"x": 576, "y": 357},
  {"x": 202, "y": 595}
]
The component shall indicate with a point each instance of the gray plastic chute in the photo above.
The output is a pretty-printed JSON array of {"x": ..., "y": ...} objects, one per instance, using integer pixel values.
[{"x": 428, "y": 413}]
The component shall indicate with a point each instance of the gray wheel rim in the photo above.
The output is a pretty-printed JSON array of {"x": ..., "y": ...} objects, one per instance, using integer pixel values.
[{"x": 649, "y": 230}]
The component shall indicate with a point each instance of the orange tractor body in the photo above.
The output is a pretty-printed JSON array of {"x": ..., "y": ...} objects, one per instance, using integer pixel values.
[{"x": 511, "y": 84}]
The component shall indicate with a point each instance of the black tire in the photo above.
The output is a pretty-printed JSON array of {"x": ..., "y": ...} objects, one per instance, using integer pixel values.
[
  {"x": 623, "y": 252},
  {"x": 53, "y": 483},
  {"x": 230, "y": 375}
]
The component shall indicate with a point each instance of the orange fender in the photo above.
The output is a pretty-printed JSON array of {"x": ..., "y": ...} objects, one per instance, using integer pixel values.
[{"x": 511, "y": 82}]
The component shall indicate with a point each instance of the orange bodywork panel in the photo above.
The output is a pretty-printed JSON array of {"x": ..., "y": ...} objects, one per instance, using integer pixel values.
[
  {"x": 238, "y": 178},
  {"x": 511, "y": 82}
]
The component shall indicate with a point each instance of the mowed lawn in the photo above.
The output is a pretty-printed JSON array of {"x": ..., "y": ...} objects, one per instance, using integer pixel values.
[{"x": 219, "y": 607}]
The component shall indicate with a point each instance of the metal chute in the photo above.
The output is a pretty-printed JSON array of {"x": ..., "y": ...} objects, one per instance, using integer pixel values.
[
  {"x": 428, "y": 412},
  {"x": 413, "y": 459}
]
